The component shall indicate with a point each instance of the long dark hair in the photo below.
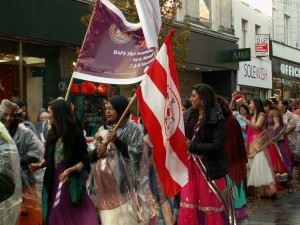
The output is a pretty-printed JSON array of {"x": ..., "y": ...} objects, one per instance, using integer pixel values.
[
  {"x": 64, "y": 121},
  {"x": 285, "y": 104},
  {"x": 208, "y": 97},
  {"x": 258, "y": 106},
  {"x": 224, "y": 106},
  {"x": 273, "y": 107}
]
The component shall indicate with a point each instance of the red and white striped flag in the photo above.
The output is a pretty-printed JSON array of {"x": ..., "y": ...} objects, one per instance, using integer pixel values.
[{"x": 161, "y": 110}]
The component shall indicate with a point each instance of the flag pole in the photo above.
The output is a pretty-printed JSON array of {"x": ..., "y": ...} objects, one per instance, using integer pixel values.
[
  {"x": 125, "y": 112},
  {"x": 69, "y": 89}
]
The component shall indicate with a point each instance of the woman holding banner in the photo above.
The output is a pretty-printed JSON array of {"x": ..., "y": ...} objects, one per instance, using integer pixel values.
[
  {"x": 115, "y": 185},
  {"x": 206, "y": 198}
]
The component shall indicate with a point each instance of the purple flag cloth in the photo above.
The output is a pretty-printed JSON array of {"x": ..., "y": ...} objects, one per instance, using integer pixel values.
[{"x": 114, "y": 51}]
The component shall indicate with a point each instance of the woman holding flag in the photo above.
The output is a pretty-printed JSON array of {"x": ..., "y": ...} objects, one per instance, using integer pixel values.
[
  {"x": 115, "y": 185},
  {"x": 206, "y": 198}
]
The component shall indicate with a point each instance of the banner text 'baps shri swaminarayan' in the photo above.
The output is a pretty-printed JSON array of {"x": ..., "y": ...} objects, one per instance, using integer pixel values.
[{"x": 114, "y": 50}]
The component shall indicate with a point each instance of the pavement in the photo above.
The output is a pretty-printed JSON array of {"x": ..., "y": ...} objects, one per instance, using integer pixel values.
[{"x": 283, "y": 211}]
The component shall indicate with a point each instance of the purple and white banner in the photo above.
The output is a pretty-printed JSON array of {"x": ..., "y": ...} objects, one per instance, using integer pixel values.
[{"x": 114, "y": 51}]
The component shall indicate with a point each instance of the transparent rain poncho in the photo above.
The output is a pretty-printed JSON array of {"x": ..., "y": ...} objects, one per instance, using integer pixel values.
[
  {"x": 10, "y": 185},
  {"x": 115, "y": 184},
  {"x": 30, "y": 150}
]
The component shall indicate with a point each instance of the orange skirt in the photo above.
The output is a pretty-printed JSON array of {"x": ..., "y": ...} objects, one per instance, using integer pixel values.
[{"x": 31, "y": 212}]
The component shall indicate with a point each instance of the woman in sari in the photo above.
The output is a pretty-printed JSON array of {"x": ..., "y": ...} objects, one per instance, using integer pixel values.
[
  {"x": 116, "y": 155},
  {"x": 206, "y": 198},
  {"x": 30, "y": 150},
  {"x": 279, "y": 149},
  {"x": 237, "y": 159},
  {"x": 65, "y": 199},
  {"x": 261, "y": 181},
  {"x": 292, "y": 123}
]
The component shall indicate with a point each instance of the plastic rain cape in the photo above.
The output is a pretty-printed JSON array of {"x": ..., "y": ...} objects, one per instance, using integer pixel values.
[
  {"x": 9, "y": 169},
  {"x": 31, "y": 150},
  {"x": 115, "y": 184}
]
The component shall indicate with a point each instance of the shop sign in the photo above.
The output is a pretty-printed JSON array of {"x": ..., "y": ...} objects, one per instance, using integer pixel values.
[
  {"x": 262, "y": 43},
  {"x": 289, "y": 70},
  {"x": 255, "y": 73},
  {"x": 241, "y": 55}
]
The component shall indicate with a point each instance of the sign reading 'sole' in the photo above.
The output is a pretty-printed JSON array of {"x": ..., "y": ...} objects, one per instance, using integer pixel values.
[
  {"x": 262, "y": 43},
  {"x": 255, "y": 73}
]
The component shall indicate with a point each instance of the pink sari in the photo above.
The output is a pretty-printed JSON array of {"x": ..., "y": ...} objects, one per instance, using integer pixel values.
[{"x": 198, "y": 202}]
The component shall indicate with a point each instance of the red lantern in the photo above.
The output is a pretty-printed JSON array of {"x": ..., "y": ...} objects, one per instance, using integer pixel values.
[
  {"x": 88, "y": 88},
  {"x": 111, "y": 91},
  {"x": 101, "y": 89},
  {"x": 75, "y": 90}
]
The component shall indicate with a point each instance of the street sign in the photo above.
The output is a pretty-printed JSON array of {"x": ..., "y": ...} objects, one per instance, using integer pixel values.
[
  {"x": 241, "y": 55},
  {"x": 262, "y": 43}
]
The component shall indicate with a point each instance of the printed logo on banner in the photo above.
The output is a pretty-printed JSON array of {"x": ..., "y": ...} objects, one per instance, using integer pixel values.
[{"x": 118, "y": 36}]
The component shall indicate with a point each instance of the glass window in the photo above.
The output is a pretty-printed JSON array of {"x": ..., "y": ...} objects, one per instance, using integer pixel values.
[
  {"x": 286, "y": 29},
  {"x": 9, "y": 69},
  {"x": 288, "y": 89},
  {"x": 257, "y": 29},
  {"x": 244, "y": 30}
]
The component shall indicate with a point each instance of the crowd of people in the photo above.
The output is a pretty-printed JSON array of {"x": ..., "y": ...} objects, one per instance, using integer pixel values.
[{"x": 53, "y": 175}]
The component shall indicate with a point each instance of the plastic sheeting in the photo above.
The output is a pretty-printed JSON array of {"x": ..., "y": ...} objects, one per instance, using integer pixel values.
[
  {"x": 30, "y": 150},
  {"x": 9, "y": 169},
  {"x": 115, "y": 183}
]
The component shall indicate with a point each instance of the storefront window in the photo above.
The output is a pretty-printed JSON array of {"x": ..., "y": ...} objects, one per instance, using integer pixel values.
[
  {"x": 9, "y": 68},
  {"x": 250, "y": 92},
  {"x": 288, "y": 89},
  {"x": 47, "y": 70}
]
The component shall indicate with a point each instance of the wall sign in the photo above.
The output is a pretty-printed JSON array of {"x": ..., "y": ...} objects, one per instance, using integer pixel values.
[
  {"x": 256, "y": 73},
  {"x": 241, "y": 55},
  {"x": 262, "y": 44},
  {"x": 289, "y": 70}
]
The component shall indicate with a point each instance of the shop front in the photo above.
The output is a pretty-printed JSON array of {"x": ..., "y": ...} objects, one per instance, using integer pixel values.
[
  {"x": 286, "y": 78},
  {"x": 254, "y": 78},
  {"x": 209, "y": 61},
  {"x": 38, "y": 45}
]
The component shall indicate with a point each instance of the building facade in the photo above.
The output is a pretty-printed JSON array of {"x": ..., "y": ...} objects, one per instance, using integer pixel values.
[
  {"x": 38, "y": 44},
  {"x": 251, "y": 18},
  {"x": 39, "y": 41},
  {"x": 210, "y": 46},
  {"x": 286, "y": 48}
]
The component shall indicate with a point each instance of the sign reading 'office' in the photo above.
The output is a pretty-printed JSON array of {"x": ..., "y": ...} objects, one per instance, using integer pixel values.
[
  {"x": 256, "y": 73},
  {"x": 289, "y": 70}
]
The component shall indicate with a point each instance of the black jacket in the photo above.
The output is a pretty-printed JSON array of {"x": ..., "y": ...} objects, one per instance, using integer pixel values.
[
  {"x": 209, "y": 143},
  {"x": 75, "y": 150}
]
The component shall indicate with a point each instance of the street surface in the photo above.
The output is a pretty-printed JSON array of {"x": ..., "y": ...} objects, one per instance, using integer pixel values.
[{"x": 285, "y": 211}]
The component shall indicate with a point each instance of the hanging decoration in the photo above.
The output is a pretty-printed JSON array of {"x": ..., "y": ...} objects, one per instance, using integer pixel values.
[
  {"x": 101, "y": 90},
  {"x": 88, "y": 88},
  {"x": 75, "y": 90},
  {"x": 111, "y": 91}
]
